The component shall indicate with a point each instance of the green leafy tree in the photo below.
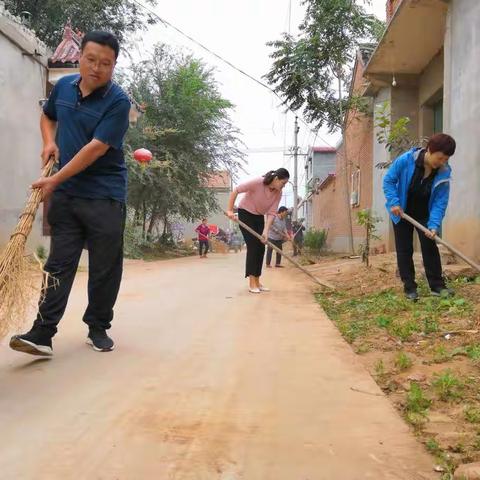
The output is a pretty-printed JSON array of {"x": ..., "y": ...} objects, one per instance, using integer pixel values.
[
  {"x": 309, "y": 71},
  {"x": 48, "y": 17},
  {"x": 394, "y": 135},
  {"x": 187, "y": 127}
]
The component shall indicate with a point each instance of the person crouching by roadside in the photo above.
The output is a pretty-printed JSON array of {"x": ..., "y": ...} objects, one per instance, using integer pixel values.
[
  {"x": 418, "y": 183},
  {"x": 278, "y": 235}
]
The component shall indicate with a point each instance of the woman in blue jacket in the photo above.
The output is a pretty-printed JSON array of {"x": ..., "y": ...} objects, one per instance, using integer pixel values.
[{"x": 418, "y": 183}]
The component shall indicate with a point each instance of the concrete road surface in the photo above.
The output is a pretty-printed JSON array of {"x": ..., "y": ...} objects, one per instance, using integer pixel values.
[{"x": 208, "y": 382}]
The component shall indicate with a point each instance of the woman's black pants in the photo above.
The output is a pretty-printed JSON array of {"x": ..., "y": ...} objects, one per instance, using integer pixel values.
[{"x": 255, "y": 248}]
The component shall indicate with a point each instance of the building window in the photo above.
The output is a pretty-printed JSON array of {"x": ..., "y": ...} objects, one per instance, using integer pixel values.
[
  {"x": 438, "y": 117},
  {"x": 355, "y": 191}
]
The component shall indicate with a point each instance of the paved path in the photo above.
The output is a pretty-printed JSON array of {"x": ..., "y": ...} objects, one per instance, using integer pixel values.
[{"x": 208, "y": 382}]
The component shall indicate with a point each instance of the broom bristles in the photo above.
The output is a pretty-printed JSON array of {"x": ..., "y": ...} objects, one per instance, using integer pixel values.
[{"x": 18, "y": 279}]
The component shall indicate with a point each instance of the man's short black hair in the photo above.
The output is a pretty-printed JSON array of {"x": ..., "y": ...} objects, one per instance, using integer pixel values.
[
  {"x": 103, "y": 38},
  {"x": 282, "y": 209}
]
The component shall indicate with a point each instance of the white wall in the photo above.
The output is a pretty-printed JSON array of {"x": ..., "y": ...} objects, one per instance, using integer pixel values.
[
  {"x": 22, "y": 85},
  {"x": 461, "y": 120},
  {"x": 380, "y": 155}
]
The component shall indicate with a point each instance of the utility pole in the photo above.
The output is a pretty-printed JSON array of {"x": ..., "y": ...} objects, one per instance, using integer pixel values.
[
  {"x": 345, "y": 169},
  {"x": 295, "y": 172}
]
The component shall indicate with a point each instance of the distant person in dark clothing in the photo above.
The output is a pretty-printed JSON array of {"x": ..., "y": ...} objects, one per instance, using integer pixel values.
[
  {"x": 278, "y": 235},
  {"x": 203, "y": 231},
  {"x": 298, "y": 230},
  {"x": 418, "y": 183}
]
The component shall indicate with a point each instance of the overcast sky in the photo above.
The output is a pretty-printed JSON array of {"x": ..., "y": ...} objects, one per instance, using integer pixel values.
[{"x": 239, "y": 31}]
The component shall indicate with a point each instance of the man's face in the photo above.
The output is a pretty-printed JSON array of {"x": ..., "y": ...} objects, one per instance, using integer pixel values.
[{"x": 97, "y": 63}]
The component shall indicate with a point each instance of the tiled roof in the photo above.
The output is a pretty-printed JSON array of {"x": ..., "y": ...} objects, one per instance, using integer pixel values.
[
  {"x": 323, "y": 149},
  {"x": 69, "y": 49}
]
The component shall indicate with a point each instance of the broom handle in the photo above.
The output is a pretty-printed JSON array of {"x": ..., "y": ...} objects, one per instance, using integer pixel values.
[
  {"x": 323, "y": 283},
  {"x": 443, "y": 242}
]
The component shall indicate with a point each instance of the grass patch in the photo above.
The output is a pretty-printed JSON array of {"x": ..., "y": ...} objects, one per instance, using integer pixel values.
[
  {"x": 403, "y": 361},
  {"x": 390, "y": 311},
  {"x": 447, "y": 386},
  {"x": 417, "y": 405},
  {"x": 380, "y": 368},
  {"x": 433, "y": 446},
  {"x": 472, "y": 414}
]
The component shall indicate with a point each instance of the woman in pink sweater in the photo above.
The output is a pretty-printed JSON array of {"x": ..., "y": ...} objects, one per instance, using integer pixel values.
[{"x": 262, "y": 197}]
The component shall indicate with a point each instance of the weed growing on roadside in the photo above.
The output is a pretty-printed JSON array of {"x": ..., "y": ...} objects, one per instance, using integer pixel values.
[
  {"x": 403, "y": 361},
  {"x": 447, "y": 386},
  {"x": 417, "y": 405},
  {"x": 380, "y": 368},
  {"x": 472, "y": 414}
]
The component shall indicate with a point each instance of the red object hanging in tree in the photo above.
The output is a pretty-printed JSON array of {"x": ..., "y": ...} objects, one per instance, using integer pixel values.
[{"x": 142, "y": 155}]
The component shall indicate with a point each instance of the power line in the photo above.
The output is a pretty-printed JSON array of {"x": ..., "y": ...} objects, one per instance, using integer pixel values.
[{"x": 224, "y": 60}]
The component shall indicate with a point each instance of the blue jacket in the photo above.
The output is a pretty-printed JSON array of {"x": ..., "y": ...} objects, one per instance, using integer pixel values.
[{"x": 397, "y": 181}]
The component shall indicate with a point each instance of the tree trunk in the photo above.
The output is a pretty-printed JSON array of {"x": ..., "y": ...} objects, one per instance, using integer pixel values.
[{"x": 144, "y": 225}]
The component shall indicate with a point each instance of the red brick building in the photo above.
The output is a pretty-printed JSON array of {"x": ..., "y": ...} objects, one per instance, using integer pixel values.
[{"x": 330, "y": 199}]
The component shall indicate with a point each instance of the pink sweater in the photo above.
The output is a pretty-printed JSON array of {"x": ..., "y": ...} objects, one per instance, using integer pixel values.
[{"x": 258, "y": 198}]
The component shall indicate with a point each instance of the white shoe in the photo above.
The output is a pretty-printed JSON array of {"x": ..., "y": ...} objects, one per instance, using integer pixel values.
[
  {"x": 254, "y": 290},
  {"x": 264, "y": 289}
]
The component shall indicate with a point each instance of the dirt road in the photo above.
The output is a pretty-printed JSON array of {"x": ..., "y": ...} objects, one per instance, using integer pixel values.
[{"x": 208, "y": 382}]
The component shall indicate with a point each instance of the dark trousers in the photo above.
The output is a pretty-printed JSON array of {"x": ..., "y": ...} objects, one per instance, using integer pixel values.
[
  {"x": 278, "y": 258},
  {"x": 255, "y": 248},
  {"x": 76, "y": 222},
  {"x": 431, "y": 257},
  {"x": 297, "y": 247},
  {"x": 203, "y": 244}
]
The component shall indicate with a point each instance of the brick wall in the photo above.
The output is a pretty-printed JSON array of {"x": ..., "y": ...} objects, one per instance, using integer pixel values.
[{"x": 329, "y": 205}]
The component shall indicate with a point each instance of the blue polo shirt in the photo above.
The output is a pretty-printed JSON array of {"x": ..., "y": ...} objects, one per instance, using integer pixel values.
[{"x": 102, "y": 115}]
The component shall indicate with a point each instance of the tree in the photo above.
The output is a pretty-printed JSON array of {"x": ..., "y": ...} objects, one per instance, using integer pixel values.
[
  {"x": 48, "y": 17},
  {"x": 368, "y": 220},
  {"x": 187, "y": 127},
  {"x": 394, "y": 135},
  {"x": 306, "y": 69},
  {"x": 309, "y": 71}
]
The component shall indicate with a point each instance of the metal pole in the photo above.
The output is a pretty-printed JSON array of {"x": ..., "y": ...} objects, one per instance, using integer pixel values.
[
  {"x": 345, "y": 169},
  {"x": 295, "y": 172}
]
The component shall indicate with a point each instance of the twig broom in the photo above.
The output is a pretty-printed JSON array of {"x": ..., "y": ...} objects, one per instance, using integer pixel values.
[{"x": 17, "y": 279}]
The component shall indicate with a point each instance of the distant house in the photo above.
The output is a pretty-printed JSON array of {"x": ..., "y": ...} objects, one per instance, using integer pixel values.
[
  {"x": 319, "y": 164},
  {"x": 23, "y": 73},
  {"x": 431, "y": 76}
]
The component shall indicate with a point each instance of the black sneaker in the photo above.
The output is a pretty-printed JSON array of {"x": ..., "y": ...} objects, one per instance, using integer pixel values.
[
  {"x": 443, "y": 292},
  {"x": 412, "y": 295},
  {"x": 35, "y": 342},
  {"x": 100, "y": 341}
]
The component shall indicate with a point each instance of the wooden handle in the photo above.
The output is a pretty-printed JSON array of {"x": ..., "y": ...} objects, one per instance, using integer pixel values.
[
  {"x": 322, "y": 283},
  {"x": 456, "y": 252}
]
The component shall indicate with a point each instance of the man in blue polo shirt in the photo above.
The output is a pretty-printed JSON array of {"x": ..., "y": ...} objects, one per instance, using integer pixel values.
[{"x": 83, "y": 125}]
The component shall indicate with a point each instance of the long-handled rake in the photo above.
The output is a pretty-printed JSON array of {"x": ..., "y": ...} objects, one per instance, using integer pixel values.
[
  {"x": 322, "y": 283},
  {"x": 17, "y": 279},
  {"x": 455, "y": 251}
]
